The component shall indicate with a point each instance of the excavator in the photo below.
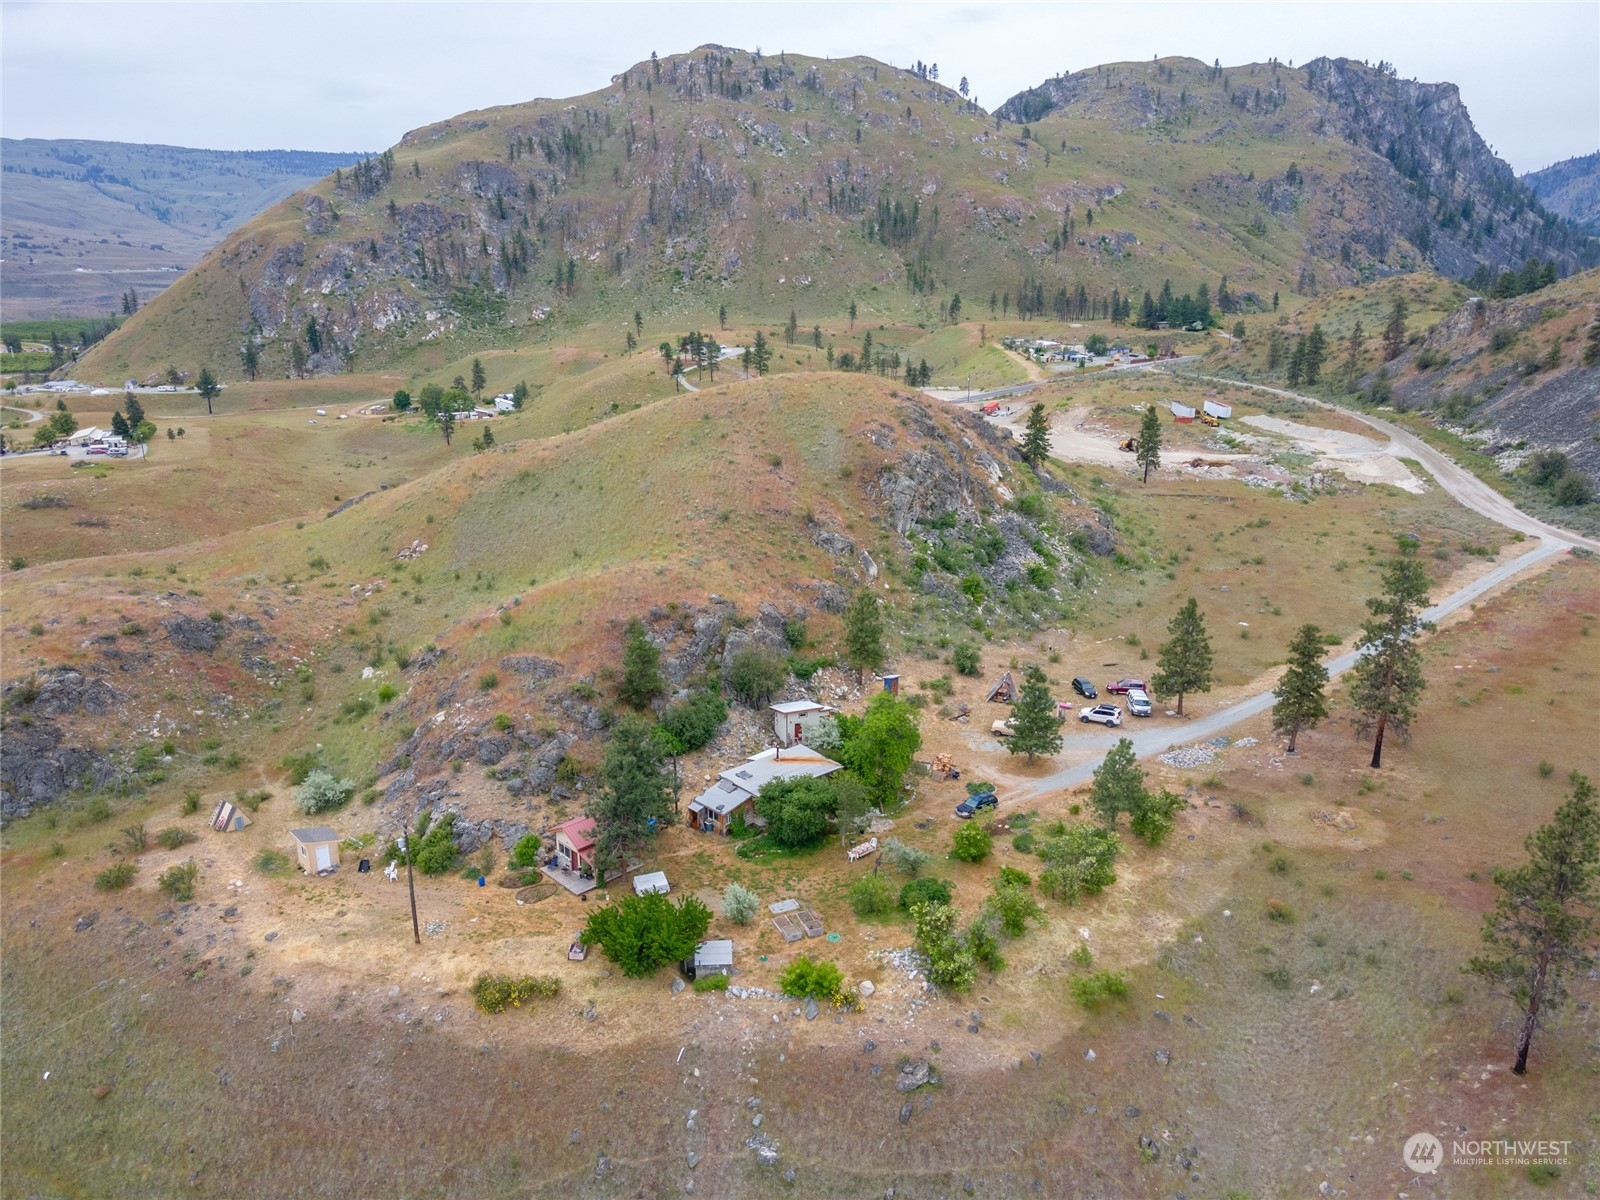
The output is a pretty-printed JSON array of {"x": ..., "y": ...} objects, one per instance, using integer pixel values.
[
  {"x": 1131, "y": 445},
  {"x": 1208, "y": 419}
]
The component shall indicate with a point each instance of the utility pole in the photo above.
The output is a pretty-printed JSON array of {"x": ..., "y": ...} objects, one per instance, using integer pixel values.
[{"x": 411, "y": 886}]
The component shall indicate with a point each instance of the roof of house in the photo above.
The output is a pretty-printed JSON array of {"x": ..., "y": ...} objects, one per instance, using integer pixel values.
[
  {"x": 739, "y": 784},
  {"x": 579, "y": 831},
  {"x": 714, "y": 954},
  {"x": 798, "y": 706},
  {"x": 317, "y": 833}
]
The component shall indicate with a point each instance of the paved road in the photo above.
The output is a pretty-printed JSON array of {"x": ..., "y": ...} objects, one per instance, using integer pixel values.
[{"x": 1456, "y": 480}]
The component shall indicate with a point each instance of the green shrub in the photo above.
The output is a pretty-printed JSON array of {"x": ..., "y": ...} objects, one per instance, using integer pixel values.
[
  {"x": 299, "y": 766},
  {"x": 754, "y": 674},
  {"x": 1082, "y": 955},
  {"x": 496, "y": 993},
  {"x": 951, "y": 962},
  {"x": 1277, "y": 910},
  {"x": 924, "y": 891},
  {"x": 488, "y": 681},
  {"x": 251, "y": 800},
  {"x": 740, "y": 904},
  {"x": 1094, "y": 989},
  {"x": 386, "y": 693},
  {"x": 173, "y": 837},
  {"x": 906, "y": 859},
  {"x": 178, "y": 882},
  {"x": 191, "y": 803},
  {"x": 502, "y": 722},
  {"x": 1009, "y": 908},
  {"x": 323, "y": 792},
  {"x": 1014, "y": 878},
  {"x": 272, "y": 862},
  {"x": 712, "y": 983},
  {"x": 805, "y": 979},
  {"x": 525, "y": 853},
  {"x": 965, "y": 659},
  {"x": 1079, "y": 861},
  {"x": 641, "y": 933},
  {"x": 115, "y": 877},
  {"x": 434, "y": 849},
  {"x": 971, "y": 843},
  {"x": 871, "y": 896},
  {"x": 695, "y": 721},
  {"x": 135, "y": 840},
  {"x": 1540, "y": 1174},
  {"x": 97, "y": 810}
]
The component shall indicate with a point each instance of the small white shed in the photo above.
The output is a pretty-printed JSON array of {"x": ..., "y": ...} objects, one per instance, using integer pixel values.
[
  {"x": 651, "y": 882},
  {"x": 1214, "y": 408},
  {"x": 793, "y": 719},
  {"x": 1182, "y": 413}
]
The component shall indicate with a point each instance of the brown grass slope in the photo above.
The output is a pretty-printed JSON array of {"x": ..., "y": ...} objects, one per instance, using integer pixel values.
[{"x": 721, "y": 178}]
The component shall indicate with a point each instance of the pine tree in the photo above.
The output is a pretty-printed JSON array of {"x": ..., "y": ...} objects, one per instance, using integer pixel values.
[
  {"x": 1316, "y": 354},
  {"x": 1352, "y": 360},
  {"x": 1591, "y": 352},
  {"x": 1394, "y": 333},
  {"x": 251, "y": 358},
  {"x": 761, "y": 354},
  {"x": 641, "y": 667},
  {"x": 1036, "y": 441},
  {"x": 863, "y": 635},
  {"x": 447, "y": 423},
  {"x": 636, "y": 790},
  {"x": 722, "y": 317},
  {"x": 1544, "y": 921},
  {"x": 1301, "y": 694},
  {"x": 135, "y": 410},
  {"x": 478, "y": 378},
  {"x": 207, "y": 386},
  {"x": 1183, "y": 664},
  {"x": 791, "y": 331},
  {"x": 1118, "y": 784},
  {"x": 1387, "y": 678},
  {"x": 119, "y": 426},
  {"x": 852, "y": 316},
  {"x": 1297, "y": 361},
  {"x": 1148, "y": 454},
  {"x": 1035, "y": 728}
]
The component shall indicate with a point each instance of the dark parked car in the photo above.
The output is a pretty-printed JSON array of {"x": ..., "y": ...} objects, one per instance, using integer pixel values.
[
  {"x": 1123, "y": 686},
  {"x": 973, "y": 805},
  {"x": 1084, "y": 688}
]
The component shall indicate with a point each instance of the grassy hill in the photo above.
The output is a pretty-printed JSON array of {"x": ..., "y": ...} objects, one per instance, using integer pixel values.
[
  {"x": 723, "y": 180},
  {"x": 84, "y": 221}
]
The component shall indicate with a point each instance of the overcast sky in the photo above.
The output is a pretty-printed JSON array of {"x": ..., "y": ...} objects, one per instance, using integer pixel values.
[{"x": 356, "y": 76}]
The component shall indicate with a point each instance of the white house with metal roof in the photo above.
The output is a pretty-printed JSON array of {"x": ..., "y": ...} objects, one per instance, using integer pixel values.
[{"x": 735, "y": 789}]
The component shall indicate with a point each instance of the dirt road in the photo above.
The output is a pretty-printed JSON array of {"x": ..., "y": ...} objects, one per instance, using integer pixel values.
[{"x": 1465, "y": 487}]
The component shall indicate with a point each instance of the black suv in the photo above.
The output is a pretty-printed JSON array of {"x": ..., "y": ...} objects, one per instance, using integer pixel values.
[
  {"x": 972, "y": 805},
  {"x": 1084, "y": 688}
]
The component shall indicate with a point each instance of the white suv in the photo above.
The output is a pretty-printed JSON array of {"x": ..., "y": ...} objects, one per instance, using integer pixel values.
[
  {"x": 1104, "y": 714},
  {"x": 1139, "y": 702}
]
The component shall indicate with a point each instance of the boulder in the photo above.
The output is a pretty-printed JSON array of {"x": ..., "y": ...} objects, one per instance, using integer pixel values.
[{"x": 915, "y": 1074}]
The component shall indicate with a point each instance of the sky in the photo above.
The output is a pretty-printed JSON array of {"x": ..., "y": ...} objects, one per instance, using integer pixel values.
[{"x": 356, "y": 76}]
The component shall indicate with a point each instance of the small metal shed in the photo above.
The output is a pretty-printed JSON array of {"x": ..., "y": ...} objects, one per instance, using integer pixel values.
[
  {"x": 710, "y": 958},
  {"x": 651, "y": 882},
  {"x": 1182, "y": 413},
  {"x": 1215, "y": 409}
]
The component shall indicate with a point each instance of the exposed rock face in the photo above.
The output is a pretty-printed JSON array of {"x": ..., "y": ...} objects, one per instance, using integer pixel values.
[
  {"x": 195, "y": 633},
  {"x": 35, "y": 767},
  {"x": 1422, "y": 185},
  {"x": 1571, "y": 189}
]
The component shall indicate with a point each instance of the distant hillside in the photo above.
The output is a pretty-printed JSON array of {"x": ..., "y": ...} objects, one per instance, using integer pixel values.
[
  {"x": 82, "y": 221},
  {"x": 1570, "y": 189},
  {"x": 1415, "y": 162},
  {"x": 778, "y": 185}
]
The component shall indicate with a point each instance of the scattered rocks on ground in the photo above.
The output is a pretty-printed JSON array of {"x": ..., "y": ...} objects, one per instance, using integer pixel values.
[{"x": 915, "y": 1074}]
